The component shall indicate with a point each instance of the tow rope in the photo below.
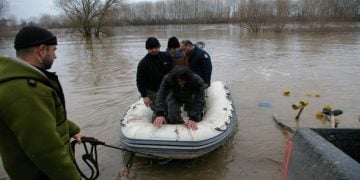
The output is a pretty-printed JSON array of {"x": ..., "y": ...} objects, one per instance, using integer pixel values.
[
  {"x": 90, "y": 157},
  {"x": 282, "y": 125}
]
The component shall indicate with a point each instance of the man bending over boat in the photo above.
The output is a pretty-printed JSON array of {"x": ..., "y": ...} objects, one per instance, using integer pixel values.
[{"x": 180, "y": 87}]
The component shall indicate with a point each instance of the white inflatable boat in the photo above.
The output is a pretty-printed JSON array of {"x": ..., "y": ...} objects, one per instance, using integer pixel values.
[{"x": 138, "y": 134}]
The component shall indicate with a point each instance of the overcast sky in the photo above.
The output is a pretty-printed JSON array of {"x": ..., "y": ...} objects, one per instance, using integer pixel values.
[{"x": 25, "y": 9}]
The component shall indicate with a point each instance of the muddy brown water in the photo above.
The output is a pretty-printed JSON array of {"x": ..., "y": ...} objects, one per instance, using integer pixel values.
[{"x": 99, "y": 83}]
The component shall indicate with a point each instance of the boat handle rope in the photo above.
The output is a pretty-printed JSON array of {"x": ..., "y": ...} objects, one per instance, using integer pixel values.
[
  {"x": 222, "y": 130},
  {"x": 90, "y": 156}
]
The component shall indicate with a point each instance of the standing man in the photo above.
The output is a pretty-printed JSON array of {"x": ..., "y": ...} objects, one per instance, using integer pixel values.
[
  {"x": 199, "y": 61},
  {"x": 151, "y": 70},
  {"x": 34, "y": 129},
  {"x": 180, "y": 87}
]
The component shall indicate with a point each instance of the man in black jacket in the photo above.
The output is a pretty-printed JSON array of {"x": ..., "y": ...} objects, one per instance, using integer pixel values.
[
  {"x": 151, "y": 70},
  {"x": 180, "y": 87}
]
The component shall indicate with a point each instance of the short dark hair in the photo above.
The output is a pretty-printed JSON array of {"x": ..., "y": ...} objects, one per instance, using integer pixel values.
[
  {"x": 173, "y": 42},
  {"x": 24, "y": 51},
  {"x": 186, "y": 42},
  {"x": 182, "y": 73}
]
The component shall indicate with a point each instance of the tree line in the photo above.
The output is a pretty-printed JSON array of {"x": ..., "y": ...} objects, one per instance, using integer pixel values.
[{"x": 91, "y": 16}]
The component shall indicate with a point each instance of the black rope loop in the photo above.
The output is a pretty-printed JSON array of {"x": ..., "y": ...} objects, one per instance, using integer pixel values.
[
  {"x": 222, "y": 130},
  {"x": 90, "y": 156},
  {"x": 130, "y": 161}
]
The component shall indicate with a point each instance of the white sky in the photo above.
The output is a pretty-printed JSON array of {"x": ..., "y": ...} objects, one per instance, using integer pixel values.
[{"x": 25, "y": 9}]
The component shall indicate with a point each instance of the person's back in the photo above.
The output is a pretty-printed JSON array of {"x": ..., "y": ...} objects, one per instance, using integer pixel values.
[{"x": 34, "y": 130}]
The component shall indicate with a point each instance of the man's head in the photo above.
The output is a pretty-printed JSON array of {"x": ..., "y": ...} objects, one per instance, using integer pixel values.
[
  {"x": 186, "y": 46},
  {"x": 36, "y": 45},
  {"x": 183, "y": 76},
  {"x": 173, "y": 43},
  {"x": 152, "y": 45}
]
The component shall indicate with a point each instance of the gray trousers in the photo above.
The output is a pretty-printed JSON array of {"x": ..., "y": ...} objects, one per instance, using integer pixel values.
[{"x": 152, "y": 96}]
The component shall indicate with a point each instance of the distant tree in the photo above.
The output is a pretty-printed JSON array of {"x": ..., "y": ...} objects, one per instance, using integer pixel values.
[
  {"x": 87, "y": 15},
  {"x": 254, "y": 14},
  {"x": 12, "y": 21},
  {"x": 45, "y": 20},
  {"x": 281, "y": 15},
  {"x": 263, "y": 15},
  {"x": 22, "y": 23},
  {"x": 51, "y": 21},
  {"x": 4, "y": 7}
]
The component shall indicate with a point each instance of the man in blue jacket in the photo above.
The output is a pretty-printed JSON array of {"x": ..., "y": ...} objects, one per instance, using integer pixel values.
[{"x": 199, "y": 61}]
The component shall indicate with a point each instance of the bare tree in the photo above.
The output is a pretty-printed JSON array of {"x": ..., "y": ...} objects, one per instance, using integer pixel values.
[
  {"x": 12, "y": 21},
  {"x": 87, "y": 14},
  {"x": 255, "y": 15},
  {"x": 263, "y": 15},
  {"x": 4, "y": 7},
  {"x": 281, "y": 15}
]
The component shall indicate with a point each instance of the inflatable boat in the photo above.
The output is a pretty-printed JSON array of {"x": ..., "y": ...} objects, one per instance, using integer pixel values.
[{"x": 176, "y": 141}]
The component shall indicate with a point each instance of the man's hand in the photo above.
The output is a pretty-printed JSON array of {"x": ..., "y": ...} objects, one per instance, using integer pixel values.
[
  {"x": 159, "y": 121},
  {"x": 78, "y": 137},
  {"x": 191, "y": 124},
  {"x": 147, "y": 101},
  {"x": 206, "y": 85}
]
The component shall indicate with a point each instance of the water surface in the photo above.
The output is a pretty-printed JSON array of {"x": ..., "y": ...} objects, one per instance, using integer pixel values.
[{"x": 98, "y": 78}]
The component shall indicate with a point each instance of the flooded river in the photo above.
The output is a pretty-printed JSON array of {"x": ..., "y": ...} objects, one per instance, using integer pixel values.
[{"x": 98, "y": 78}]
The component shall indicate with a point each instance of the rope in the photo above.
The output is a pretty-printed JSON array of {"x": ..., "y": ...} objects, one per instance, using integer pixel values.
[
  {"x": 282, "y": 125},
  {"x": 90, "y": 156},
  {"x": 222, "y": 130}
]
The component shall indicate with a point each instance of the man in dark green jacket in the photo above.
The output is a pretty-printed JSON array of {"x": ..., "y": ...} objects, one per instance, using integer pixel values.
[
  {"x": 180, "y": 87},
  {"x": 34, "y": 129}
]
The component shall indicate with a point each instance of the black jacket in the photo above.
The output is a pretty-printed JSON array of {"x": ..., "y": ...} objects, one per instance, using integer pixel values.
[{"x": 151, "y": 70}]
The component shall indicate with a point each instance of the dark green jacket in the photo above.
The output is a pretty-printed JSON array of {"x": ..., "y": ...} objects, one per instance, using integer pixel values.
[{"x": 34, "y": 130}]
